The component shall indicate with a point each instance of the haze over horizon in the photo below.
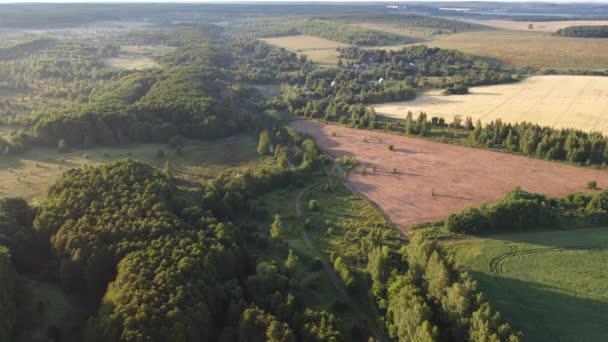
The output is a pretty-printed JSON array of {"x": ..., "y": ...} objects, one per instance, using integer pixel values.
[{"x": 284, "y": 1}]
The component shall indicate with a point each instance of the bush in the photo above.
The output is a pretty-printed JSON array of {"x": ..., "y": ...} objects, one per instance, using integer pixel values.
[
  {"x": 468, "y": 220},
  {"x": 160, "y": 153},
  {"x": 592, "y": 185},
  {"x": 313, "y": 205},
  {"x": 390, "y": 147},
  {"x": 62, "y": 146}
]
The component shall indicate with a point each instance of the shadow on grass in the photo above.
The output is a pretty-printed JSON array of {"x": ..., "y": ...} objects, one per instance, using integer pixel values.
[{"x": 542, "y": 313}]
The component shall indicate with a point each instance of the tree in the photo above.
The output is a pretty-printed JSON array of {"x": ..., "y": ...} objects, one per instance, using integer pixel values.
[
  {"x": 264, "y": 143},
  {"x": 62, "y": 146},
  {"x": 437, "y": 277},
  {"x": 276, "y": 229},
  {"x": 291, "y": 262},
  {"x": 313, "y": 205},
  {"x": 468, "y": 124}
]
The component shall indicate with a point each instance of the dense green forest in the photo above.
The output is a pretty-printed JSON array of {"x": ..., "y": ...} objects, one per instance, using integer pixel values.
[
  {"x": 328, "y": 29},
  {"x": 598, "y": 31}
]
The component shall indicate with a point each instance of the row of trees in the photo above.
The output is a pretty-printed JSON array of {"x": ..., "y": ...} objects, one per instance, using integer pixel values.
[
  {"x": 587, "y": 31},
  {"x": 544, "y": 142},
  {"x": 429, "y": 300},
  {"x": 523, "y": 211}
]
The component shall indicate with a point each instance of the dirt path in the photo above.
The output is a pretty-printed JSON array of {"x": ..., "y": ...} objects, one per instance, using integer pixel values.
[{"x": 370, "y": 320}]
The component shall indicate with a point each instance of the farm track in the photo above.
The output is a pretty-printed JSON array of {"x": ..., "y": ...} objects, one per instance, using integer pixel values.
[
  {"x": 369, "y": 318},
  {"x": 497, "y": 267}
]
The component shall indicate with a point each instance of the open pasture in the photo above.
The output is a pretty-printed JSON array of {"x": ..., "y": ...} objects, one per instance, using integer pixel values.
[
  {"x": 29, "y": 174},
  {"x": 556, "y": 101},
  {"x": 551, "y": 285},
  {"x": 530, "y": 49},
  {"x": 543, "y": 26},
  {"x": 319, "y": 50},
  {"x": 433, "y": 180}
]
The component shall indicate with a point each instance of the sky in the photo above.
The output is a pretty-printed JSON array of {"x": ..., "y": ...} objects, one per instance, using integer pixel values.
[{"x": 240, "y": 1}]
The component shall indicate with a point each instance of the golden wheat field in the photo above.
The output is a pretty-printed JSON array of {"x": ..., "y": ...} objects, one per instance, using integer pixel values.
[
  {"x": 556, "y": 101},
  {"x": 544, "y": 26},
  {"x": 318, "y": 50},
  {"x": 530, "y": 49}
]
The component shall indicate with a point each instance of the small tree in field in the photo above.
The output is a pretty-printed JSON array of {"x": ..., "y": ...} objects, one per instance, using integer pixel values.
[
  {"x": 390, "y": 148},
  {"x": 276, "y": 229},
  {"x": 592, "y": 185}
]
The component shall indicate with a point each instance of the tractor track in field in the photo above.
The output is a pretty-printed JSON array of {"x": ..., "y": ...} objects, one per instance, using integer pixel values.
[
  {"x": 497, "y": 267},
  {"x": 370, "y": 320}
]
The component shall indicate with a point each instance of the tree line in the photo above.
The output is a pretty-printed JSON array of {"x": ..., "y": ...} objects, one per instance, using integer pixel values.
[
  {"x": 586, "y": 31},
  {"x": 523, "y": 211}
]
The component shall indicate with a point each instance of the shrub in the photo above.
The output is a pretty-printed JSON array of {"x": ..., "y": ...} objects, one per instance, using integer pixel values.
[
  {"x": 313, "y": 205},
  {"x": 333, "y": 134},
  {"x": 468, "y": 220},
  {"x": 160, "y": 153},
  {"x": 390, "y": 147},
  {"x": 592, "y": 185},
  {"x": 62, "y": 146}
]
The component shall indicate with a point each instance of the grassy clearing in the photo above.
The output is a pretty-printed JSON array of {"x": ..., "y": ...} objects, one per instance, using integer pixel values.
[
  {"x": 551, "y": 285},
  {"x": 555, "y": 101},
  {"x": 336, "y": 228},
  {"x": 29, "y": 174},
  {"x": 319, "y": 50},
  {"x": 530, "y": 49},
  {"x": 138, "y": 57}
]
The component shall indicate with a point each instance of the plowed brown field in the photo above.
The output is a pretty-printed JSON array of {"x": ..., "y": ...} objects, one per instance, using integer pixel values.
[{"x": 460, "y": 176}]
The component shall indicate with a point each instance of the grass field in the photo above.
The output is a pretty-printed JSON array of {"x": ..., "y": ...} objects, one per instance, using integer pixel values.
[
  {"x": 319, "y": 50},
  {"x": 137, "y": 57},
  {"x": 530, "y": 49},
  {"x": 556, "y": 101},
  {"x": 543, "y": 26},
  {"x": 29, "y": 174},
  {"x": 551, "y": 285}
]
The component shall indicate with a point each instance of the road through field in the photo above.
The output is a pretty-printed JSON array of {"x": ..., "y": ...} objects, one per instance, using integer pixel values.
[
  {"x": 458, "y": 176},
  {"x": 556, "y": 101}
]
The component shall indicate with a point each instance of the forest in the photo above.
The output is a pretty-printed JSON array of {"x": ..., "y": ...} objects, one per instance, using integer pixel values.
[{"x": 151, "y": 256}]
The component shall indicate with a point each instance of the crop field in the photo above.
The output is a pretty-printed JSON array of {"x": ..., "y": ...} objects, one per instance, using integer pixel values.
[
  {"x": 28, "y": 175},
  {"x": 556, "y": 101},
  {"x": 544, "y": 26},
  {"x": 530, "y": 49},
  {"x": 551, "y": 285},
  {"x": 433, "y": 180},
  {"x": 319, "y": 50}
]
